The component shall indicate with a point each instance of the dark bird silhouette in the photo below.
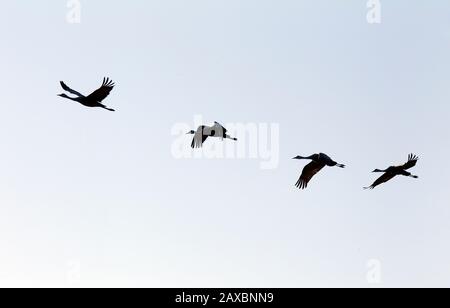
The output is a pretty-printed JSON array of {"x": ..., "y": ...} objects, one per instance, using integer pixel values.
[
  {"x": 203, "y": 132},
  {"x": 319, "y": 161},
  {"x": 393, "y": 171},
  {"x": 94, "y": 99}
]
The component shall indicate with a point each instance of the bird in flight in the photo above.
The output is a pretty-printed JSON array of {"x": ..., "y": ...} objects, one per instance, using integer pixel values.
[
  {"x": 203, "y": 132},
  {"x": 393, "y": 171},
  {"x": 94, "y": 99},
  {"x": 319, "y": 161}
]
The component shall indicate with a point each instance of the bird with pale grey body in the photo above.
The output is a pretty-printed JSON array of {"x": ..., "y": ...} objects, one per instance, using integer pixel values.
[{"x": 203, "y": 132}]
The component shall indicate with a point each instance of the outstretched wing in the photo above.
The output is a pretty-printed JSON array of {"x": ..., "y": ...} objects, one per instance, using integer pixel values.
[
  {"x": 325, "y": 157},
  {"x": 219, "y": 130},
  {"x": 199, "y": 139},
  {"x": 308, "y": 173},
  {"x": 102, "y": 93},
  {"x": 412, "y": 161},
  {"x": 382, "y": 179},
  {"x": 66, "y": 88}
]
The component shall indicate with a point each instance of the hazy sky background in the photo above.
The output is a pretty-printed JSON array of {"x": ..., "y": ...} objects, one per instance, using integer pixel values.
[{"x": 90, "y": 193}]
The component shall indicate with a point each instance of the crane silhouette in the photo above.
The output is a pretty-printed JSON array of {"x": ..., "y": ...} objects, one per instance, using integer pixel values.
[
  {"x": 393, "y": 171},
  {"x": 94, "y": 99},
  {"x": 203, "y": 132},
  {"x": 319, "y": 161}
]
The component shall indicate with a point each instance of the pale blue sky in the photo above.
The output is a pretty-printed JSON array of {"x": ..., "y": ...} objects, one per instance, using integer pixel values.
[{"x": 102, "y": 189}]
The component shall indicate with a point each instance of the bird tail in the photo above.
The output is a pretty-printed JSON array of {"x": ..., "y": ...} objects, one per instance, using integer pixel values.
[
  {"x": 104, "y": 107},
  {"x": 340, "y": 165}
]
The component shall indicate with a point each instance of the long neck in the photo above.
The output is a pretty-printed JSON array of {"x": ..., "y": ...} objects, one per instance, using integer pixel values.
[
  {"x": 310, "y": 157},
  {"x": 71, "y": 98}
]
